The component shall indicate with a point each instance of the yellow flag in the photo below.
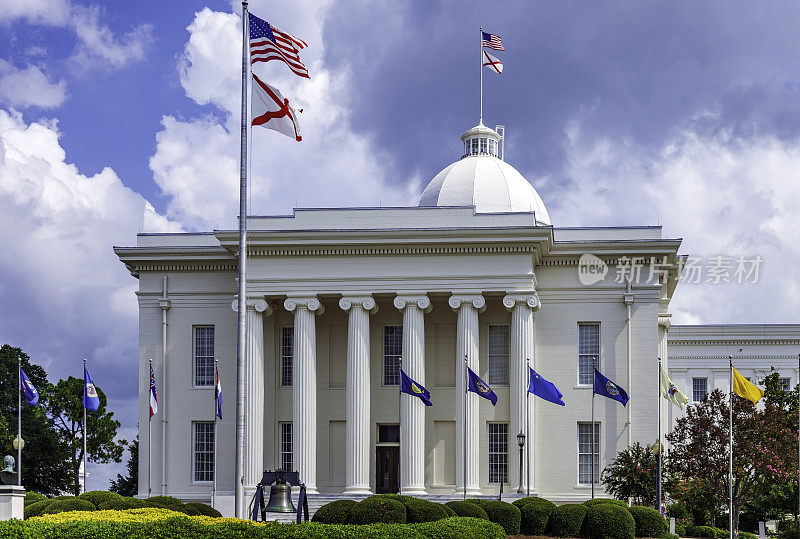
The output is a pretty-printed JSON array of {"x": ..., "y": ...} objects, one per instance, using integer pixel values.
[{"x": 743, "y": 388}]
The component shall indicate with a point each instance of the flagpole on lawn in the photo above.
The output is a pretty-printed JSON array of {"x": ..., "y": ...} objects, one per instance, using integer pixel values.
[
  {"x": 730, "y": 451},
  {"x": 84, "y": 428},
  {"x": 464, "y": 453},
  {"x": 19, "y": 422},
  {"x": 400, "y": 427},
  {"x": 149, "y": 436},
  {"x": 592, "y": 453},
  {"x": 216, "y": 408},
  {"x": 480, "y": 66},
  {"x": 242, "y": 304},
  {"x": 658, "y": 455}
]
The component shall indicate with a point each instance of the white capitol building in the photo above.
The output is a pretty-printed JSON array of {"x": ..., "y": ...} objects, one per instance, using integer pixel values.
[{"x": 335, "y": 297}]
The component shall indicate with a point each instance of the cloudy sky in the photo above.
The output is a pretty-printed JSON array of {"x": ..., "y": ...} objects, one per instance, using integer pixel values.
[{"x": 121, "y": 117}]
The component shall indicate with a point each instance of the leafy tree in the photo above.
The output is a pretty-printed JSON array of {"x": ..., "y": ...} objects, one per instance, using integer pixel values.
[
  {"x": 129, "y": 486},
  {"x": 764, "y": 450},
  {"x": 698, "y": 496},
  {"x": 65, "y": 408},
  {"x": 633, "y": 474},
  {"x": 44, "y": 458}
]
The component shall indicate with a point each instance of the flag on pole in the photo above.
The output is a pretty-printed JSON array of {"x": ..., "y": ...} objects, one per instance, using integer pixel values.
[
  {"x": 670, "y": 392},
  {"x": 744, "y": 388},
  {"x": 410, "y": 387},
  {"x": 153, "y": 393},
  {"x": 476, "y": 385},
  {"x": 271, "y": 110},
  {"x": 492, "y": 41},
  {"x": 492, "y": 63},
  {"x": 270, "y": 43},
  {"x": 31, "y": 395},
  {"x": 606, "y": 388},
  {"x": 218, "y": 396},
  {"x": 90, "y": 399},
  {"x": 544, "y": 389}
]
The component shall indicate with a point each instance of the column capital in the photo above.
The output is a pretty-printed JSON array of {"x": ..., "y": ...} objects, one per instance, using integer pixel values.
[
  {"x": 422, "y": 301},
  {"x": 665, "y": 320},
  {"x": 477, "y": 301},
  {"x": 365, "y": 302},
  {"x": 258, "y": 304},
  {"x": 530, "y": 298},
  {"x": 311, "y": 303}
]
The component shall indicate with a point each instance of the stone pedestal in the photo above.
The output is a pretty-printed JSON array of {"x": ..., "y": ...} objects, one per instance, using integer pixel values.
[{"x": 12, "y": 502}]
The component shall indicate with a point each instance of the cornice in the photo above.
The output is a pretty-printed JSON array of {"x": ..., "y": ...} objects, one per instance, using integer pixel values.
[
  {"x": 726, "y": 357},
  {"x": 405, "y": 250},
  {"x": 735, "y": 342}
]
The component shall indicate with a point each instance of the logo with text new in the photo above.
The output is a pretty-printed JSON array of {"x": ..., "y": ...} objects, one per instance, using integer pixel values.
[{"x": 591, "y": 269}]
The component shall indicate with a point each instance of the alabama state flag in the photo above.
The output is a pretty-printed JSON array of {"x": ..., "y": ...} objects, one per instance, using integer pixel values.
[{"x": 271, "y": 110}]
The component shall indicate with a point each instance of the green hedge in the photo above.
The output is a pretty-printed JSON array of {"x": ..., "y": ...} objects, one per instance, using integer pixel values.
[
  {"x": 419, "y": 510},
  {"x": 335, "y": 512},
  {"x": 377, "y": 509},
  {"x": 36, "y": 508},
  {"x": 609, "y": 521},
  {"x": 535, "y": 513},
  {"x": 204, "y": 509},
  {"x": 699, "y": 531},
  {"x": 31, "y": 497},
  {"x": 680, "y": 529},
  {"x": 121, "y": 504},
  {"x": 567, "y": 520},
  {"x": 596, "y": 501},
  {"x": 166, "y": 500},
  {"x": 649, "y": 523},
  {"x": 467, "y": 509},
  {"x": 73, "y": 504},
  {"x": 505, "y": 514},
  {"x": 460, "y": 527},
  {"x": 97, "y": 497},
  {"x": 450, "y": 512}
]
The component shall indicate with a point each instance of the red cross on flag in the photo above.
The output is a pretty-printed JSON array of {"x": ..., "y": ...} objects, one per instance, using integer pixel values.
[
  {"x": 492, "y": 63},
  {"x": 271, "y": 110}
]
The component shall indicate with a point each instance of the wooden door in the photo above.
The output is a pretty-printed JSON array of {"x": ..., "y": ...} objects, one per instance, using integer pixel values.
[{"x": 387, "y": 467}]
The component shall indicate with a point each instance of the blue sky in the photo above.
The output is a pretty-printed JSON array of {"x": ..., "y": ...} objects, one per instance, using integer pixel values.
[{"x": 120, "y": 117}]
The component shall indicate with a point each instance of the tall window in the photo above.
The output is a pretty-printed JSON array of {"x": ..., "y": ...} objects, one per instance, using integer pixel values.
[
  {"x": 287, "y": 349},
  {"x": 587, "y": 453},
  {"x": 286, "y": 449},
  {"x": 204, "y": 355},
  {"x": 588, "y": 351},
  {"x": 203, "y": 437},
  {"x": 785, "y": 384},
  {"x": 498, "y": 355},
  {"x": 498, "y": 453},
  {"x": 699, "y": 389},
  {"x": 392, "y": 352}
]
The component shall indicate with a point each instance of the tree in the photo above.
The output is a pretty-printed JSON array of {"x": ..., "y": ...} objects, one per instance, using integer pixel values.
[
  {"x": 129, "y": 486},
  {"x": 633, "y": 474},
  {"x": 764, "y": 450},
  {"x": 65, "y": 408},
  {"x": 44, "y": 458}
]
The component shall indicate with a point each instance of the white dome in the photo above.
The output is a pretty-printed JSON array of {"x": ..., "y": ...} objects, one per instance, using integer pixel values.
[{"x": 486, "y": 182}]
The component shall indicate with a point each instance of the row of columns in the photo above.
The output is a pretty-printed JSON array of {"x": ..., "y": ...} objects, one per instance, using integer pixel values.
[{"x": 358, "y": 430}]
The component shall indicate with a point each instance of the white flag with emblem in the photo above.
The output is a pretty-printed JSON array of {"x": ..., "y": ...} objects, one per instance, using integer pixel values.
[{"x": 670, "y": 392}]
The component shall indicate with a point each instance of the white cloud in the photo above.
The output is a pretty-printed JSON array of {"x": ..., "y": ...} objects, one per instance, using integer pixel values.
[
  {"x": 22, "y": 88},
  {"x": 197, "y": 160},
  {"x": 724, "y": 195},
  {"x": 100, "y": 46},
  {"x": 50, "y": 12}
]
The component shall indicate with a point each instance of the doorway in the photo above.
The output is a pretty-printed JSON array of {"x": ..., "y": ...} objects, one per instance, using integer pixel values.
[{"x": 387, "y": 460}]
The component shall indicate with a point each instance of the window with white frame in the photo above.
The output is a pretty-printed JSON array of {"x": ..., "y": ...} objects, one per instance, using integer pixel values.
[
  {"x": 498, "y": 453},
  {"x": 286, "y": 447},
  {"x": 498, "y": 355},
  {"x": 588, "y": 452},
  {"x": 204, "y": 356},
  {"x": 203, "y": 454},
  {"x": 699, "y": 389},
  {"x": 392, "y": 352},
  {"x": 785, "y": 383},
  {"x": 588, "y": 351},
  {"x": 287, "y": 351}
]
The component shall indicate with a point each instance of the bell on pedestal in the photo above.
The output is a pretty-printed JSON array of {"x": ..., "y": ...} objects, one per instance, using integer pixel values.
[{"x": 280, "y": 498}]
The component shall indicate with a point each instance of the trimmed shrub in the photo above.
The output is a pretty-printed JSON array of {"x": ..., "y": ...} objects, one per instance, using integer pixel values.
[
  {"x": 467, "y": 509},
  {"x": 596, "y": 501},
  {"x": 609, "y": 521},
  {"x": 699, "y": 531},
  {"x": 121, "y": 504},
  {"x": 149, "y": 502},
  {"x": 535, "y": 513},
  {"x": 458, "y": 528},
  {"x": 36, "y": 508},
  {"x": 505, "y": 514},
  {"x": 649, "y": 523},
  {"x": 31, "y": 497},
  {"x": 64, "y": 497},
  {"x": 476, "y": 501},
  {"x": 335, "y": 512},
  {"x": 450, "y": 512},
  {"x": 166, "y": 500},
  {"x": 99, "y": 496},
  {"x": 567, "y": 520},
  {"x": 746, "y": 535},
  {"x": 419, "y": 510},
  {"x": 204, "y": 509},
  {"x": 377, "y": 509},
  {"x": 74, "y": 504},
  {"x": 185, "y": 509},
  {"x": 680, "y": 529}
]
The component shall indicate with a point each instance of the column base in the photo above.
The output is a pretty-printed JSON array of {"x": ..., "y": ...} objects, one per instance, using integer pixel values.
[
  {"x": 414, "y": 491},
  {"x": 357, "y": 491},
  {"x": 311, "y": 490},
  {"x": 471, "y": 491}
]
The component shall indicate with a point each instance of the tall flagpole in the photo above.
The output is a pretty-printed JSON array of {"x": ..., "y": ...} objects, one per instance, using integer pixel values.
[
  {"x": 530, "y": 434},
  {"x": 592, "y": 452},
  {"x": 798, "y": 432},
  {"x": 480, "y": 66},
  {"x": 658, "y": 490},
  {"x": 84, "y": 428},
  {"x": 400, "y": 427},
  {"x": 242, "y": 305},
  {"x": 730, "y": 451},
  {"x": 19, "y": 422},
  {"x": 149, "y": 436},
  {"x": 464, "y": 453},
  {"x": 216, "y": 408}
]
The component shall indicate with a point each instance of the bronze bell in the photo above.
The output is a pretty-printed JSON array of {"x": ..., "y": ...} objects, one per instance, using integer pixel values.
[{"x": 280, "y": 498}]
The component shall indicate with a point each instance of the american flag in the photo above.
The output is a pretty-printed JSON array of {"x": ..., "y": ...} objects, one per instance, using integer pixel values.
[
  {"x": 153, "y": 394},
  {"x": 491, "y": 41},
  {"x": 270, "y": 43}
]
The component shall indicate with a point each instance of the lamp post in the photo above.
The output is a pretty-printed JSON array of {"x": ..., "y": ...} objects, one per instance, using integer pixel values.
[{"x": 521, "y": 442}]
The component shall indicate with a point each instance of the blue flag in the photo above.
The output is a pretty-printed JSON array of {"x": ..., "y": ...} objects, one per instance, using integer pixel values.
[
  {"x": 606, "y": 388},
  {"x": 476, "y": 385},
  {"x": 90, "y": 399},
  {"x": 409, "y": 386},
  {"x": 543, "y": 388},
  {"x": 31, "y": 395},
  {"x": 218, "y": 396}
]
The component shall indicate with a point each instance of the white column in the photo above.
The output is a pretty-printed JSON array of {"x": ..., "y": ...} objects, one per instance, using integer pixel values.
[
  {"x": 467, "y": 426},
  {"x": 358, "y": 380},
  {"x": 522, "y": 307},
  {"x": 412, "y": 430},
  {"x": 254, "y": 392},
  {"x": 304, "y": 390}
]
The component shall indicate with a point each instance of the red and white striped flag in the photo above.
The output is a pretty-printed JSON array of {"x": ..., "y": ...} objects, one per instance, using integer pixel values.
[
  {"x": 491, "y": 41},
  {"x": 492, "y": 63},
  {"x": 270, "y": 43},
  {"x": 153, "y": 394}
]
